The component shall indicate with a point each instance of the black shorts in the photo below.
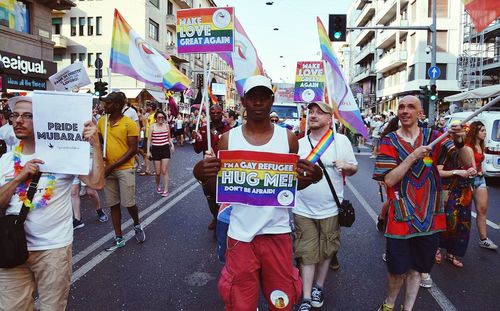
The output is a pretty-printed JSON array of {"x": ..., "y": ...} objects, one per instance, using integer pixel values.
[
  {"x": 416, "y": 253},
  {"x": 179, "y": 132},
  {"x": 160, "y": 152}
]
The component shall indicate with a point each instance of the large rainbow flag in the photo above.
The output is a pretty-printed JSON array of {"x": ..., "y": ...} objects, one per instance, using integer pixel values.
[
  {"x": 244, "y": 60},
  {"x": 345, "y": 106},
  {"x": 482, "y": 12},
  {"x": 134, "y": 57}
]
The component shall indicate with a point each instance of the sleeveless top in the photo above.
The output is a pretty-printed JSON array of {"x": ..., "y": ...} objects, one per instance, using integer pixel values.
[
  {"x": 478, "y": 158},
  {"x": 246, "y": 221},
  {"x": 159, "y": 138}
]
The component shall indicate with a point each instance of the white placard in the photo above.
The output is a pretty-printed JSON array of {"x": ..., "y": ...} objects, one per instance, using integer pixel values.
[
  {"x": 219, "y": 89},
  {"x": 70, "y": 78},
  {"x": 58, "y": 120},
  {"x": 184, "y": 108}
]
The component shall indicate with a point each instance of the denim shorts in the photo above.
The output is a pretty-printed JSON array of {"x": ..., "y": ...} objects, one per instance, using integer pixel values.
[{"x": 479, "y": 182}]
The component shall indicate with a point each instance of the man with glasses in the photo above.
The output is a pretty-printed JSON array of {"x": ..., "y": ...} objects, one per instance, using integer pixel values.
[{"x": 48, "y": 227}]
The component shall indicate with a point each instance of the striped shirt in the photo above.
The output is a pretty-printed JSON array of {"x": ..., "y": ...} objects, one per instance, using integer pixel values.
[{"x": 160, "y": 138}]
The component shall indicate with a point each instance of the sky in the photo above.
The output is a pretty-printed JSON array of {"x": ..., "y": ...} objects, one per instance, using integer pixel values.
[{"x": 297, "y": 37}]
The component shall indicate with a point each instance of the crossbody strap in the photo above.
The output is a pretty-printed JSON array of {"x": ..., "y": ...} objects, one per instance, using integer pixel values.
[
  {"x": 31, "y": 193},
  {"x": 328, "y": 180}
]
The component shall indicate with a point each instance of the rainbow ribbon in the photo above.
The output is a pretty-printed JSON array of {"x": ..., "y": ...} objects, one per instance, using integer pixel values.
[{"x": 320, "y": 147}]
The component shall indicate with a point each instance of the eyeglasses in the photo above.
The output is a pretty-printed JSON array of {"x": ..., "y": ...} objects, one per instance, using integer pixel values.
[
  {"x": 24, "y": 116},
  {"x": 274, "y": 120},
  {"x": 160, "y": 118}
]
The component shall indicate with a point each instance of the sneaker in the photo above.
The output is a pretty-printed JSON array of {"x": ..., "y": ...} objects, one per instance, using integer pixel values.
[
  {"x": 164, "y": 194},
  {"x": 380, "y": 225},
  {"x": 385, "y": 307},
  {"x": 77, "y": 224},
  {"x": 140, "y": 236},
  {"x": 334, "y": 264},
  {"x": 317, "y": 297},
  {"x": 488, "y": 244},
  {"x": 158, "y": 190},
  {"x": 101, "y": 216},
  {"x": 426, "y": 281},
  {"x": 117, "y": 243},
  {"x": 373, "y": 156},
  {"x": 305, "y": 305}
]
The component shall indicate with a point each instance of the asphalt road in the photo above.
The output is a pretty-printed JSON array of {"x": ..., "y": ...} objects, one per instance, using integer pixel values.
[{"x": 176, "y": 268}]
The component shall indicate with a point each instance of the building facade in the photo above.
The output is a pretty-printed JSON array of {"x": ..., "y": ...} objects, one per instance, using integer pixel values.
[{"x": 388, "y": 64}]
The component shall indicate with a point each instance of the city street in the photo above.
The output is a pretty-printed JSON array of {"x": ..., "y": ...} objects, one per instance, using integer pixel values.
[{"x": 176, "y": 268}]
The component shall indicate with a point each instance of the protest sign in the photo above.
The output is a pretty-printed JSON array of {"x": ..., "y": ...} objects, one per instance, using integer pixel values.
[
  {"x": 70, "y": 78},
  {"x": 58, "y": 120},
  {"x": 309, "y": 82},
  {"x": 205, "y": 30},
  {"x": 184, "y": 108},
  {"x": 257, "y": 178}
]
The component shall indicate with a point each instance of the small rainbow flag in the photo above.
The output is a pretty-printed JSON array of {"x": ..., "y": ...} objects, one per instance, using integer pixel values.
[
  {"x": 320, "y": 147},
  {"x": 132, "y": 56}
]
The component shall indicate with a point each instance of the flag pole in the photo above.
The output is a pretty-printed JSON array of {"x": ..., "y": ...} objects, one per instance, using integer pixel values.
[
  {"x": 307, "y": 122},
  {"x": 105, "y": 135},
  {"x": 331, "y": 106},
  {"x": 205, "y": 81}
]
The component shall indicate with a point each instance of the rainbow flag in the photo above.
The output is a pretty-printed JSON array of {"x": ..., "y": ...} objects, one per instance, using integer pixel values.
[
  {"x": 244, "y": 60},
  {"x": 213, "y": 98},
  {"x": 482, "y": 12},
  {"x": 134, "y": 57},
  {"x": 320, "y": 147},
  {"x": 345, "y": 106}
]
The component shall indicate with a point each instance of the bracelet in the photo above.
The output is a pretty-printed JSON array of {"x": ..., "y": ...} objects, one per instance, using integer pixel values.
[{"x": 203, "y": 184}]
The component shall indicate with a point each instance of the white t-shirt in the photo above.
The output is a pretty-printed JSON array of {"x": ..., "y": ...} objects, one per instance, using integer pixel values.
[
  {"x": 376, "y": 128},
  {"x": 47, "y": 227},
  {"x": 7, "y": 134},
  {"x": 316, "y": 201},
  {"x": 179, "y": 123},
  {"x": 131, "y": 113}
]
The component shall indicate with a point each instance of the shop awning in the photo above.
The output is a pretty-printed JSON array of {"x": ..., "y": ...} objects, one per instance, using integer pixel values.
[
  {"x": 482, "y": 92},
  {"x": 131, "y": 93},
  {"x": 159, "y": 96}
]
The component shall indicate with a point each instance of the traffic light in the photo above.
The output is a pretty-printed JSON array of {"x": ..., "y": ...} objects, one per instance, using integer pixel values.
[
  {"x": 104, "y": 89},
  {"x": 337, "y": 24},
  {"x": 424, "y": 97},
  {"x": 433, "y": 95},
  {"x": 100, "y": 88}
]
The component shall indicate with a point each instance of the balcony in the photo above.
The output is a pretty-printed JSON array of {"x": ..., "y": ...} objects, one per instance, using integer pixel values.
[
  {"x": 359, "y": 4},
  {"x": 171, "y": 20},
  {"x": 184, "y": 4},
  {"x": 385, "y": 38},
  {"x": 60, "y": 41},
  {"x": 366, "y": 15},
  {"x": 390, "y": 61},
  {"x": 366, "y": 52},
  {"x": 171, "y": 49},
  {"x": 386, "y": 13},
  {"x": 362, "y": 74}
]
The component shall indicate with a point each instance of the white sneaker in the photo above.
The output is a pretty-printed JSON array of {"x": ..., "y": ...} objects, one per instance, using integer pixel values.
[
  {"x": 373, "y": 156},
  {"x": 426, "y": 281},
  {"x": 488, "y": 244}
]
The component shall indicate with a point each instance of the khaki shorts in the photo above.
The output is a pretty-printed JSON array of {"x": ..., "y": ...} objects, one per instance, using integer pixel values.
[
  {"x": 316, "y": 239},
  {"x": 120, "y": 188},
  {"x": 48, "y": 272}
]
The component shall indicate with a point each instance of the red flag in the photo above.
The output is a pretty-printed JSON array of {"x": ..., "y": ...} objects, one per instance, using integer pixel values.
[
  {"x": 212, "y": 96},
  {"x": 482, "y": 12}
]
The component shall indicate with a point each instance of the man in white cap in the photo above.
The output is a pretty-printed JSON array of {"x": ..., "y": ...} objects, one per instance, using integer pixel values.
[
  {"x": 49, "y": 225},
  {"x": 259, "y": 246}
]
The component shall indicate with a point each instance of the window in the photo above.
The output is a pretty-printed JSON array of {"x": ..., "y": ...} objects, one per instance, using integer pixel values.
[
  {"x": 56, "y": 26},
  {"x": 58, "y": 57},
  {"x": 411, "y": 73},
  {"x": 441, "y": 40},
  {"x": 81, "y": 57},
  {"x": 442, "y": 68},
  {"x": 170, "y": 8},
  {"x": 441, "y": 8},
  {"x": 153, "y": 30},
  {"x": 73, "y": 26},
  {"x": 90, "y": 26},
  {"x": 90, "y": 62},
  {"x": 156, "y": 3},
  {"x": 98, "y": 25},
  {"x": 73, "y": 57},
  {"x": 170, "y": 38},
  {"x": 81, "y": 25}
]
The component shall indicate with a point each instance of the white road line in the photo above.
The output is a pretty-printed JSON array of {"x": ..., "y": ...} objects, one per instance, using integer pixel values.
[
  {"x": 438, "y": 295},
  {"x": 129, "y": 235},
  {"x": 489, "y": 223},
  {"x": 106, "y": 238}
]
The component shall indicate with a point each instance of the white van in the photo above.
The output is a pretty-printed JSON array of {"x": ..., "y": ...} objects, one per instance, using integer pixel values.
[
  {"x": 289, "y": 113},
  {"x": 491, "y": 120}
]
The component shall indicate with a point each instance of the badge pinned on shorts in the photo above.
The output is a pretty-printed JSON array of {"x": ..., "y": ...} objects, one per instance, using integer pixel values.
[
  {"x": 279, "y": 299},
  {"x": 428, "y": 161}
]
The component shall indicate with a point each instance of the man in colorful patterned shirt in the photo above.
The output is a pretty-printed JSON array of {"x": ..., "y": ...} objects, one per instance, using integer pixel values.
[{"x": 407, "y": 166}]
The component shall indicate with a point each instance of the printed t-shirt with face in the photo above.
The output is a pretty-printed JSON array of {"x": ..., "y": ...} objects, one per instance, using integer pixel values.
[
  {"x": 150, "y": 120},
  {"x": 415, "y": 203},
  {"x": 46, "y": 227},
  {"x": 316, "y": 201},
  {"x": 117, "y": 144}
]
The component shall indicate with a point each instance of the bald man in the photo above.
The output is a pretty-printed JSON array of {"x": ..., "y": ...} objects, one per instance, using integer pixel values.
[{"x": 416, "y": 212}]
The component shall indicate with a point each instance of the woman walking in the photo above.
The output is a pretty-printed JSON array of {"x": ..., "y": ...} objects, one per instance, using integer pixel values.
[
  {"x": 159, "y": 148},
  {"x": 475, "y": 140}
]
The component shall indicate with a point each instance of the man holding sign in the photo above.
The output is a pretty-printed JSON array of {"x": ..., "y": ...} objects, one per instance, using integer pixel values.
[
  {"x": 259, "y": 242},
  {"x": 49, "y": 224}
]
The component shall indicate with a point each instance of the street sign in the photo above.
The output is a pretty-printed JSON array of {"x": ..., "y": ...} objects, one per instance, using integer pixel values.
[
  {"x": 434, "y": 72},
  {"x": 98, "y": 63}
]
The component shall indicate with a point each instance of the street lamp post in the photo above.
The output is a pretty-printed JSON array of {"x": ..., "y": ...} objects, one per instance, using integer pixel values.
[{"x": 433, "y": 100}]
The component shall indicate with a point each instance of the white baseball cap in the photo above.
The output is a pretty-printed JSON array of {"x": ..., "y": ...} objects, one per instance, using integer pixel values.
[
  {"x": 255, "y": 81},
  {"x": 14, "y": 100}
]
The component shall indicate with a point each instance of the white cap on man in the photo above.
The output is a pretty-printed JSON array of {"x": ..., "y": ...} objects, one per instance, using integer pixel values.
[
  {"x": 14, "y": 100},
  {"x": 255, "y": 81}
]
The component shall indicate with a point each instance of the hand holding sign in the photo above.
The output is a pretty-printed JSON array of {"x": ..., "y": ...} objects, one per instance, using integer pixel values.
[
  {"x": 308, "y": 172},
  {"x": 90, "y": 133}
]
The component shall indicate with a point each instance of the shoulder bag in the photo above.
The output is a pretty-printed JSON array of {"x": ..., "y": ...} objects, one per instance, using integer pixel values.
[
  {"x": 346, "y": 210},
  {"x": 13, "y": 246}
]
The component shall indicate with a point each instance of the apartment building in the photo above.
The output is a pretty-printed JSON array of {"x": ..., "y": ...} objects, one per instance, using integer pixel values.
[
  {"x": 85, "y": 33},
  {"x": 388, "y": 64}
]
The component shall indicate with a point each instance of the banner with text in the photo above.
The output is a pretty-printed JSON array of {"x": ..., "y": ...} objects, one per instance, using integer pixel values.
[
  {"x": 58, "y": 120},
  {"x": 309, "y": 82},
  {"x": 257, "y": 178},
  {"x": 71, "y": 78},
  {"x": 205, "y": 30}
]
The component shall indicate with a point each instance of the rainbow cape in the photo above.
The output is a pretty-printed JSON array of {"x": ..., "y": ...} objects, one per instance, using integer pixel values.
[
  {"x": 482, "y": 12},
  {"x": 320, "y": 147},
  {"x": 244, "y": 60},
  {"x": 345, "y": 106},
  {"x": 134, "y": 57}
]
